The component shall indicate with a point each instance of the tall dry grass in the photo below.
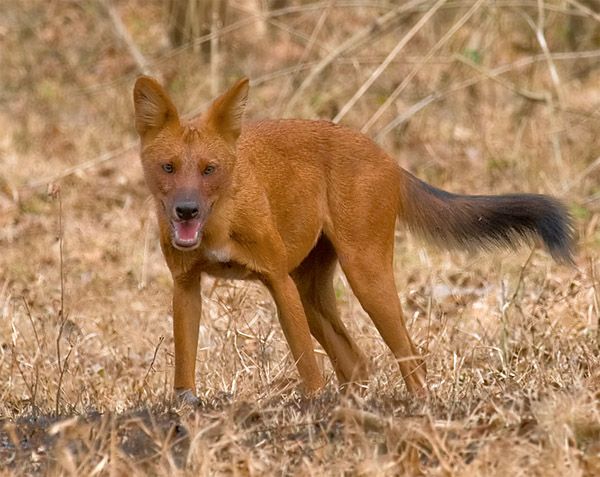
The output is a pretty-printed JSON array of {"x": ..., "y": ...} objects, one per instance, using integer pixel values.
[{"x": 482, "y": 97}]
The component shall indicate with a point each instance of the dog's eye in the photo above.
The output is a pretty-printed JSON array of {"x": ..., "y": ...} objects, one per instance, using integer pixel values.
[
  {"x": 168, "y": 168},
  {"x": 208, "y": 170}
]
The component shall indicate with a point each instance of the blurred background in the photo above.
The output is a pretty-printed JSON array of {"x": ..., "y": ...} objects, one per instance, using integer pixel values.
[
  {"x": 488, "y": 91},
  {"x": 472, "y": 96}
]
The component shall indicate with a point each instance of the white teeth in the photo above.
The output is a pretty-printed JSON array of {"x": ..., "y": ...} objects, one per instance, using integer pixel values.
[
  {"x": 185, "y": 244},
  {"x": 192, "y": 240}
]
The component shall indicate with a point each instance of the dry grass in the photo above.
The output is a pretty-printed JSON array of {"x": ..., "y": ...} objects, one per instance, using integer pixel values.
[{"x": 508, "y": 100}]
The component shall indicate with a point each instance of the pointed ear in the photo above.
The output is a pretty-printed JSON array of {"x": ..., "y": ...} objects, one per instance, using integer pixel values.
[
  {"x": 153, "y": 107},
  {"x": 225, "y": 113}
]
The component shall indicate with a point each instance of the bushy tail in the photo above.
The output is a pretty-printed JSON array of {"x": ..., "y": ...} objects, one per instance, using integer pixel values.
[{"x": 483, "y": 222}]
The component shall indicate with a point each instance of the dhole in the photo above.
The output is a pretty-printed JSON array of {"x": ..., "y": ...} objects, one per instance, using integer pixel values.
[{"x": 283, "y": 202}]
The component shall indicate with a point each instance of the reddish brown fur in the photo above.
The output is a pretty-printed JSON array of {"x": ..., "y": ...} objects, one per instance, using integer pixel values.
[{"x": 288, "y": 200}]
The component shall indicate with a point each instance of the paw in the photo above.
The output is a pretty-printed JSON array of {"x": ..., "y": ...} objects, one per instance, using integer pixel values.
[{"x": 186, "y": 397}]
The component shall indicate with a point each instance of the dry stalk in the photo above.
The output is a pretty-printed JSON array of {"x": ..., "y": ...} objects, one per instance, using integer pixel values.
[
  {"x": 441, "y": 42},
  {"x": 355, "y": 40},
  {"x": 596, "y": 299},
  {"x": 30, "y": 387},
  {"x": 30, "y": 316},
  {"x": 61, "y": 375},
  {"x": 244, "y": 22},
  {"x": 507, "y": 304},
  {"x": 411, "y": 111},
  {"x": 151, "y": 366},
  {"x": 585, "y": 10},
  {"x": 294, "y": 33},
  {"x": 529, "y": 95},
  {"x": 38, "y": 352},
  {"x": 84, "y": 166},
  {"x": 55, "y": 192},
  {"x": 389, "y": 58},
  {"x": 215, "y": 26},
  {"x": 489, "y": 74},
  {"x": 301, "y": 64},
  {"x": 121, "y": 30},
  {"x": 538, "y": 28},
  {"x": 582, "y": 175}
]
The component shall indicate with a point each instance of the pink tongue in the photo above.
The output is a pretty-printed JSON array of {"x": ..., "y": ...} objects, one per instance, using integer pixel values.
[{"x": 187, "y": 231}]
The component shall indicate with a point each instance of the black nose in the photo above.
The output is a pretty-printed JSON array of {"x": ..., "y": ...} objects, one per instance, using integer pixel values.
[{"x": 186, "y": 210}]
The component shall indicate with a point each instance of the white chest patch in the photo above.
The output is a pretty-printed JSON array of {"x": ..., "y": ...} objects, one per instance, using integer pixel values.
[{"x": 219, "y": 254}]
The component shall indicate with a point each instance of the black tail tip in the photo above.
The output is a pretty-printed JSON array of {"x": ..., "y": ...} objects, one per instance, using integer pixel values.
[
  {"x": 563, "y": 255},
  {"x": 557, "y": 231}
]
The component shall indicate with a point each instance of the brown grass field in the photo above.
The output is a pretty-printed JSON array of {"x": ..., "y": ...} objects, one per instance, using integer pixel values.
[{"x": 472, "y": 96}]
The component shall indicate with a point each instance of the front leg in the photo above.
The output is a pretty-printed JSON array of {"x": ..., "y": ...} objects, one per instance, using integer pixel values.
[
  {"x": 187, "y": 308},
  {"x": 295, "y": 328}
]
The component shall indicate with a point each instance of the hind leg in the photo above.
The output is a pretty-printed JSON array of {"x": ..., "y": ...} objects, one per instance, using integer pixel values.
[
  {"x": 314, "y": 279},
  {"x": 372, "y": 281},
  {"x": 362, "y": 233}
]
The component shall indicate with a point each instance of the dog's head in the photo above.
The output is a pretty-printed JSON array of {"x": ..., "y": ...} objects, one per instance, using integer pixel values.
[{"x": 187, "y": 165}]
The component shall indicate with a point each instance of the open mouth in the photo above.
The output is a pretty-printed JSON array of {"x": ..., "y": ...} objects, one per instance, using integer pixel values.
[{"x": 186, "y": 233}]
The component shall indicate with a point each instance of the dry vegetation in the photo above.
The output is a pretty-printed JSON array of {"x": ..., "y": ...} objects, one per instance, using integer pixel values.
[{"x": 484, "y": 97}]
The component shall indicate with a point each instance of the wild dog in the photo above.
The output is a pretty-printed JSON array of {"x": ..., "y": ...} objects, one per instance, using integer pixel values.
[{"x": 283, "y": 202}]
